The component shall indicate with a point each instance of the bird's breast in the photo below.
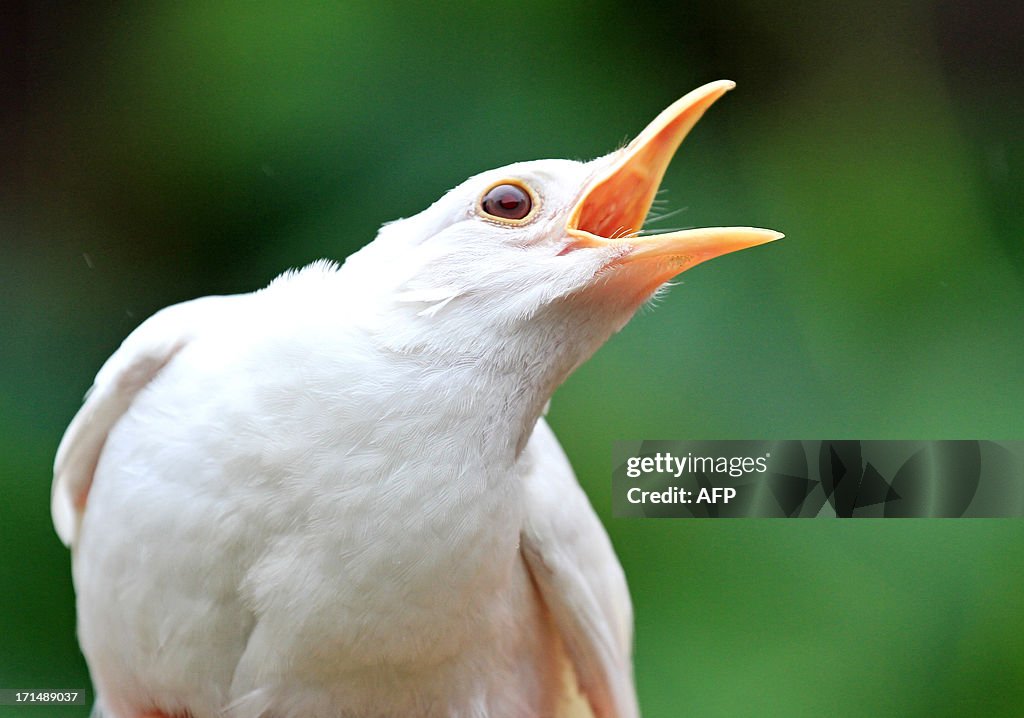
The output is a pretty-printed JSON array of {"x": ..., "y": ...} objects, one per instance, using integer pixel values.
[{"x": 377, "y": 522}]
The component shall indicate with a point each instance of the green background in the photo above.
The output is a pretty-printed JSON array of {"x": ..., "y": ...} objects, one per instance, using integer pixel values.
[{"x": 155, "y": 152}]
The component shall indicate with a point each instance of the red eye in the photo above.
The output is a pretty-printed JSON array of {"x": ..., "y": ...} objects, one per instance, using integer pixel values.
[{"x": 506, "y": 201}]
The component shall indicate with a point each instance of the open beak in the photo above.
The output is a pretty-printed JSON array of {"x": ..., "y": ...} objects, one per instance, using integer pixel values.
[{"x": 612, "y": 209}]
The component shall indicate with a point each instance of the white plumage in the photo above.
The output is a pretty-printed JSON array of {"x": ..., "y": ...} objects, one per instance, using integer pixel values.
[{"x": 336, "y": 496}]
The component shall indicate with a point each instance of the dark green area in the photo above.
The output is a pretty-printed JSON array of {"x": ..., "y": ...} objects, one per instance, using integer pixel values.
[{"x": 154, "y": 152}]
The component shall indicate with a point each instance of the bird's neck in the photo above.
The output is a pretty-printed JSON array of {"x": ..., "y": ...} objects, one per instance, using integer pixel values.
[{"x": 491, "y": 388}]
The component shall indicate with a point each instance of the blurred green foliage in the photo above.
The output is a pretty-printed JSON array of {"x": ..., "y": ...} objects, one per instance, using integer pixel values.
[{"x": 161, "y": 151}]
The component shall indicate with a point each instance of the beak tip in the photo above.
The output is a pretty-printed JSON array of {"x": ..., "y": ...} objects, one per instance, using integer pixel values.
[{"x": 767, "y": 236}]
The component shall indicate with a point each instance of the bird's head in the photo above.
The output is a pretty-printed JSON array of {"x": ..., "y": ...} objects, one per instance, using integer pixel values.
[{"x": 547, "y": 252}]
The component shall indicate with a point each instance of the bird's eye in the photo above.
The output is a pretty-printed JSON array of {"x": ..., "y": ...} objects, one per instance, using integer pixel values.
[{"x": 507, "y": 202}]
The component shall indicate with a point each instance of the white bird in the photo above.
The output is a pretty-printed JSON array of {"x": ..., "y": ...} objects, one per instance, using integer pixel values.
[{"x": 336, "y": 496}]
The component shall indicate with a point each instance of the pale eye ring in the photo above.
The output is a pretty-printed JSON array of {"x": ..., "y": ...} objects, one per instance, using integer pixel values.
[{"x": 509, "y": 202}]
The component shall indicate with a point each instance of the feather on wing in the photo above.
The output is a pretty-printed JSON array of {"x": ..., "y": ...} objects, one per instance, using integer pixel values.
[
  {"x": 579, "y": 577},
  {"x": 128, "y": 371}
]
